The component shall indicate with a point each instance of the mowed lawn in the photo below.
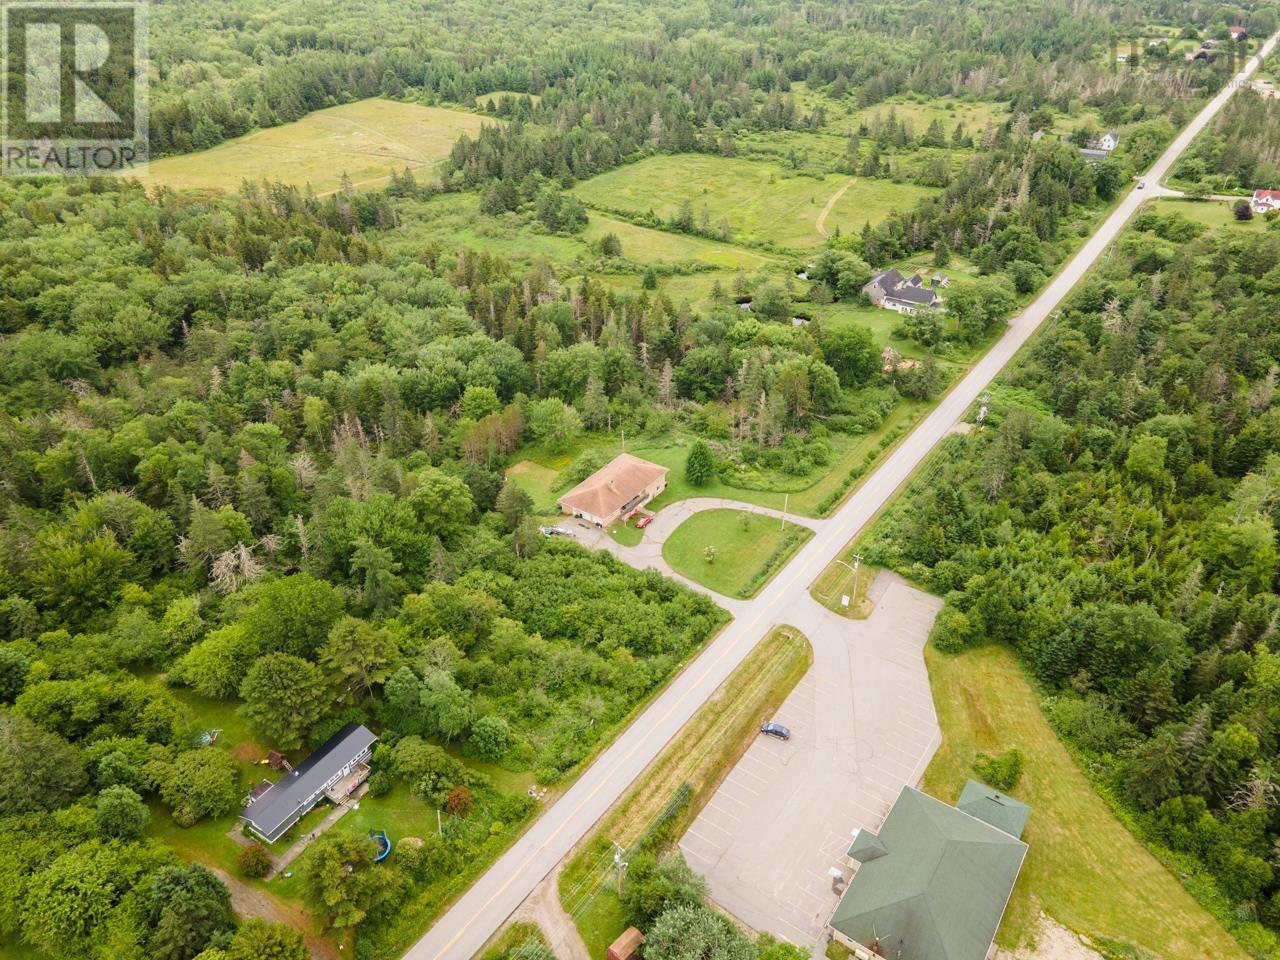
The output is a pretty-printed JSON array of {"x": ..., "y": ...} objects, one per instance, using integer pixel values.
[
  {"x": 744, "y": 545},
  {"x": 365, "y": 140},
  {"x": 760, "y": 201},
  {"x": 1215, "y": 214},
  {"x": 1083, "y": 867}
]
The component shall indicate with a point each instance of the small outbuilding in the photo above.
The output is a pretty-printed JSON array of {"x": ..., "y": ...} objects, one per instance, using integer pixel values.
[
  {"x": 627, "y": 946},
  {"x": 622, "y": 485}
]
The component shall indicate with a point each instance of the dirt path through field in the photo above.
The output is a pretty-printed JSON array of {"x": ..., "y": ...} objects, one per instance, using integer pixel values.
[
  {"x": 821, "y": 223},
  {"x": 250, "y": 901},
  {"x": 543, "y": 908}
]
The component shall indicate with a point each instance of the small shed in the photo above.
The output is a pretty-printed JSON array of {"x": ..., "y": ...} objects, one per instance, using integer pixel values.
[{"x": 627, "y": 946}]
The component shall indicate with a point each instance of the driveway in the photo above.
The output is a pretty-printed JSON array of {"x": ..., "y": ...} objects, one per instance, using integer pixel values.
[
  {"x": 862, "y": 727},
  {"x": 648, "y": 554}
]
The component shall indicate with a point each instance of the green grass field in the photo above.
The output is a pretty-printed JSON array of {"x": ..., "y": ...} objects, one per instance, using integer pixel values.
[
  {"x": 456, "y": 219},
  {"x": 918, "y": 111},
  {"x": 497, "y": 96},
  {"x": 1215, "y": 214},
  {"x": 759, "y": 200},
  {"x": 365, "y": 140},
  {"x": 748, "y": 549},
  {"x": 645, "y": 245},
  {"x": 1083, "y": 867}
]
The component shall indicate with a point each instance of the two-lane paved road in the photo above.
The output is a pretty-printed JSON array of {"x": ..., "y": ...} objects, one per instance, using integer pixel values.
[{"x": 479, "y": 913}]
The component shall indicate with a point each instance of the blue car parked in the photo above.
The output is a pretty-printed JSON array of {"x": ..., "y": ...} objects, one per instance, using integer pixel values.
[{"x": 776, "y": 730}]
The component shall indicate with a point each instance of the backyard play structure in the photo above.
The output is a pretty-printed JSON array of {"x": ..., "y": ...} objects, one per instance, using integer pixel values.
[{"x": 384, "y": 845}]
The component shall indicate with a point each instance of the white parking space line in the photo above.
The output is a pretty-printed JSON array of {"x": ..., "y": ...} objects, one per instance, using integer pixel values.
[
  {"x": 737, "y": 784},
  {"x": 704, "y": 822},
  {"x": 743, "y": 770},
  {"x": 738, "y": 801},
  {"x": 714, "y": 804}
]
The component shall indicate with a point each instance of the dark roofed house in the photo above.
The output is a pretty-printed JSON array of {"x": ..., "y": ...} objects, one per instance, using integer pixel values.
[
  {"x": 933, "y": 884},
  {"x": 892, "y": 291},
  {"x": 336, "y": 768}
]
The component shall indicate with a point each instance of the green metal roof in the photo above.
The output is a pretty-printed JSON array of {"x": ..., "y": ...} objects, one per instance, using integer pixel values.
[
  {"x": 866, "y": 846},
  {"x": 996, "y": 808},
  {"x": 940, "y": 889}
]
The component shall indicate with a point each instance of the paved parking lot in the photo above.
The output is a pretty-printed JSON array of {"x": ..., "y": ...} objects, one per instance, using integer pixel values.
[{"x": 863, "y": 727}]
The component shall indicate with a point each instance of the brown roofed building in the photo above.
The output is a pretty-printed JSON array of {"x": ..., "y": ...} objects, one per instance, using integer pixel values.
[
  {"x": 613, "y": 491},
  {"x": 627, "y": 946}
]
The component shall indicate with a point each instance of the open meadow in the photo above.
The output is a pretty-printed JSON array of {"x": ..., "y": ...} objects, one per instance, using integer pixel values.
[
  {"x": 365, "y": 140},
  {"x": 760, "y": 202},
  {"x": 457, "y": 217}
]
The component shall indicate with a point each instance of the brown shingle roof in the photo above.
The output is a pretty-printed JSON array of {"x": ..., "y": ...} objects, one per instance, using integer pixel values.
[{"x": 613, "y": 485}]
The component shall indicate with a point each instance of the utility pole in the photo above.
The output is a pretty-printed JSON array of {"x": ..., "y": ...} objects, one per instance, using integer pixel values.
[
  {"x": 619, "y": 863},
  {"x": 786, "y": 500},
  {"x": 857, "y": 562}
]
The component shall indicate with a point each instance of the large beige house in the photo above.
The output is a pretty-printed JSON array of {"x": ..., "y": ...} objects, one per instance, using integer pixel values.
[{"x": 613, "y": 491}]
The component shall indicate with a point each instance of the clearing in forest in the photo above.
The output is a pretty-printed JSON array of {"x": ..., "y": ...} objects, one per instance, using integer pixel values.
[
  {"x": 365, "y": 140},
  {"x": 760, "y": 202}
]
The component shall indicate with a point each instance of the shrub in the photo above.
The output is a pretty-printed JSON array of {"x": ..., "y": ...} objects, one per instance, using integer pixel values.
[
  {"x": 254, "y": 861},
  {"x": 459, "y": 803},
  {"x": 380, "y": 784},
  {"x": 951, "y": 631},
  {"x": 1002, "y": 772},
  {"x": 700, "y": 468},
  {"x": 490, "y": 738}
]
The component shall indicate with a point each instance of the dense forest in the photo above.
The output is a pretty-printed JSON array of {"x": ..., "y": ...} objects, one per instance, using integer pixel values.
[
  {"x": 248, "y": 452},
  {"x": 1115, "y": 521},
  {"x": 1241, "y": 151},
  {"x": 615, "y": 78}
]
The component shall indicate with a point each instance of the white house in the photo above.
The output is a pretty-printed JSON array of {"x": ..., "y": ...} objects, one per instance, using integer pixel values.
[
  {"x": 892, "y": 291},
  {"x": 1264, "y": 201}
]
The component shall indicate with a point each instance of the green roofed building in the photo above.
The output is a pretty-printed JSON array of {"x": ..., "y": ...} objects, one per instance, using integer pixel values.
[{"x": 934, "y": 882}]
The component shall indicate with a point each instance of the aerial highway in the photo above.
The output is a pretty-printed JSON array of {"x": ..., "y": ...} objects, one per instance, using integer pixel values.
[{"x": 479, "y": 913}]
